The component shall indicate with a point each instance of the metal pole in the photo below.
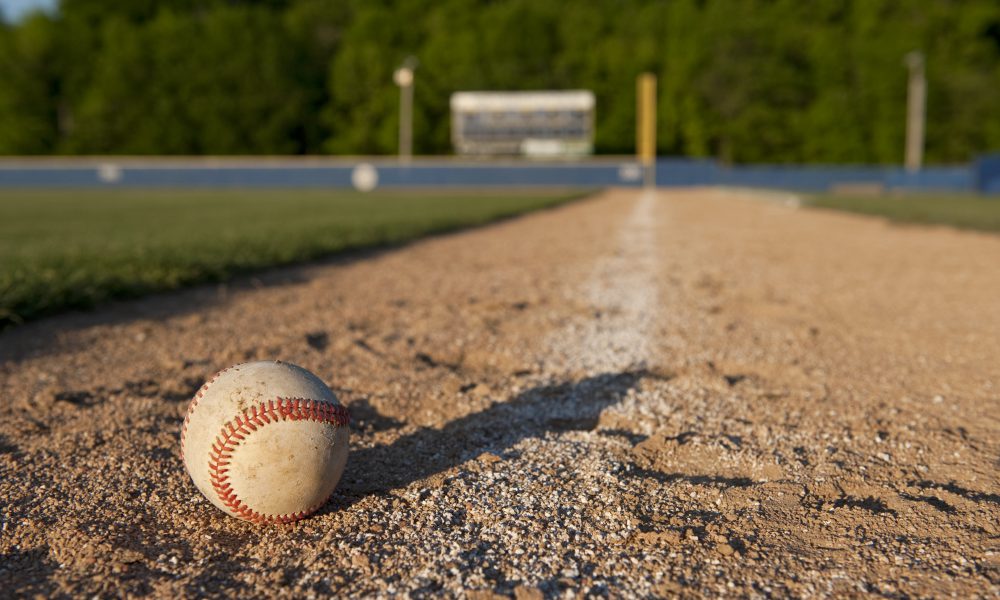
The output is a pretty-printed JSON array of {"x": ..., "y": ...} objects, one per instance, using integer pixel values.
[
  {"x": 404, "y": 79},
  {"x": 916, "y": 111},
  {"x": 406, "y": 123},
  {"x": 646, "y": 126}
]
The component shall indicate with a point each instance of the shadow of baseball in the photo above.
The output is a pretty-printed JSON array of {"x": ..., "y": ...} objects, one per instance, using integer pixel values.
[{"x": 530, "y": 414}]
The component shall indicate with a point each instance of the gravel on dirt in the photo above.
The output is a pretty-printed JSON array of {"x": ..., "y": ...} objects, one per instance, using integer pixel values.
[{"x": 697, "y": 392}]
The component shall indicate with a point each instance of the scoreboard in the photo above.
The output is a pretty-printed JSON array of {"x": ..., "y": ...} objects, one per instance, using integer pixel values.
[{"x": 545, "y": 123}]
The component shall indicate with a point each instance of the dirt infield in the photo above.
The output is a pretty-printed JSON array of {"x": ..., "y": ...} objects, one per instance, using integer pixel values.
[{"x": 697, "y": 392}]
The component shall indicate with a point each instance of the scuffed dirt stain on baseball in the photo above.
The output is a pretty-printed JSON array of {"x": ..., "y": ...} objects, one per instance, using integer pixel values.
[{"x": 259, "y": 441}]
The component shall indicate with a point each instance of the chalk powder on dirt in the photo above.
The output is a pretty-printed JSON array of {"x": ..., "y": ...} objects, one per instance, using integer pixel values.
[{"x": 686, "y": 392}]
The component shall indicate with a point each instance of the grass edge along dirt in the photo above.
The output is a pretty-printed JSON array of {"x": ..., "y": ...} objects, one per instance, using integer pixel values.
[
  {"x": 72, "y": 249},
  {"x": 979, "y": 213}
]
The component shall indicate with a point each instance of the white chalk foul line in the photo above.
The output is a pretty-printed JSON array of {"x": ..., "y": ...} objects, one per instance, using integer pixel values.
[{"x": 622, "y": 293}]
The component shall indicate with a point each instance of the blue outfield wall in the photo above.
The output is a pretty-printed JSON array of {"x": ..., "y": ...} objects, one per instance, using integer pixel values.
[
  {"x": 987, "y": 174},
  {"x": 983, "y": 175},
  {"x": 824, "y": 178}
]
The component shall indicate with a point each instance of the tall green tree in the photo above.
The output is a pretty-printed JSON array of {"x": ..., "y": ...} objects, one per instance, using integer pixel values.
[
  {"x": 218, "y": 83},
  {"x": 743, "y": 80},
  {"x": 29, "y": 87},
  {"x": 360, "y": 112}
]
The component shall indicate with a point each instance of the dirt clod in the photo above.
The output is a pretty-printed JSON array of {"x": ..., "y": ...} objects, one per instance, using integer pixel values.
[{"x": 627, "y": 396}]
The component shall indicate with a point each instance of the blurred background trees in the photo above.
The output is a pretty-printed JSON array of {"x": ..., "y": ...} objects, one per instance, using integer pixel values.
[{"x": 743, "y": 80}]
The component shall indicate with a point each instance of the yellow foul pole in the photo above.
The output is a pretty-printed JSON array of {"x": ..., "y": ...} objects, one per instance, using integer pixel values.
[{"x": 645, "y": 134}]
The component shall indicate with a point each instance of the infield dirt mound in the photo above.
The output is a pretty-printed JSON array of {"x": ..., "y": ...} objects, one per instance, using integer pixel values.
[{"x": 694, "y": 392}]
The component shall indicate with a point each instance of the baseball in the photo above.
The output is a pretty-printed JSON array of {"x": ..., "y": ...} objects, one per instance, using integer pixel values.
[{"x": 265, "y": 441}]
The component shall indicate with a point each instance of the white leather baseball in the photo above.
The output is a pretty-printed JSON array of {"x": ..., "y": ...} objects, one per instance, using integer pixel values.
[{"x": 265, "y": 441}]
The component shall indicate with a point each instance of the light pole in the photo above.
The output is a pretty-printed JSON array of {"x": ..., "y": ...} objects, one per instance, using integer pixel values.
[
  {"x": 916, "y": 111},
  {"x": 403, "y": 76}
]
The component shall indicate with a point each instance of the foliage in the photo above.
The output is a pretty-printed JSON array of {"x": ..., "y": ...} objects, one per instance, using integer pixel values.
[
  {"x": 745, "y": 80},
  {"x": 68, "y": 249},
  {"x": 28, "y": 92}
]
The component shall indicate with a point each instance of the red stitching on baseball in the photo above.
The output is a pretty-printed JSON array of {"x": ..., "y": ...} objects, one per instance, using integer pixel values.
[
  {"x": 252, "y": 419},
  {"x": 194, "y": 403}
]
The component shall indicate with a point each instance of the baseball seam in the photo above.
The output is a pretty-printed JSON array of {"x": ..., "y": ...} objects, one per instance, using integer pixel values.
[
  {"x": 194, "y": 404},
  {"x": 252, "y": 419}
]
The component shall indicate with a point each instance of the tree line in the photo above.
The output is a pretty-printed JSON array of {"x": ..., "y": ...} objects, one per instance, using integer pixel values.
[{"x": 822, "y": 81}]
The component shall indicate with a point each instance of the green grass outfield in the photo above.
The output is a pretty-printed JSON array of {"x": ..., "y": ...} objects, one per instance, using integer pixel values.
[
  {"x": 963, "y": 211},
  {"x": 73, "y": 249}
]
